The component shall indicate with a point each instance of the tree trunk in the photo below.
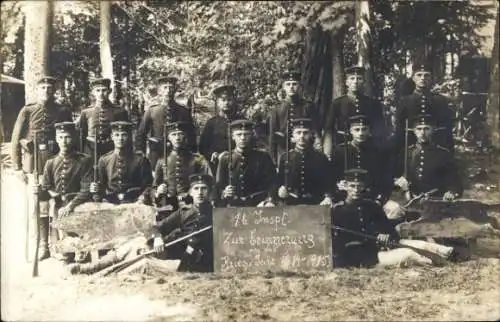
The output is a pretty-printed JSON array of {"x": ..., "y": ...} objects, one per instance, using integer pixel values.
[
  {"x": 363, "y": 43},
  {"x": 338, "y": 86},
  {"x": 37, "y": 44},
  {"x": 493, "y": 105},
  {"x": 105, "y": 42}
]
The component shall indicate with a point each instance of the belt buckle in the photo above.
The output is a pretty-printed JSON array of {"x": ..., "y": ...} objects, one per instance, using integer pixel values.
[
  {"x": 63, "y": 198},
  {"x": 121, "y": 196},
  {"x": 42, "y": 147},
  {"x": 243, "y": 198}
]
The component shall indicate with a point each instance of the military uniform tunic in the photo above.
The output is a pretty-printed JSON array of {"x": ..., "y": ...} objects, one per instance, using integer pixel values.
[
  {"x": 337, "y": 117},
  {"x": 309, "y": 178},
  {"x": 363, "y": 216},
  {"x": 96, "y": 120},
  {"x": 278, "y": 118},
  {"x": 118, "y": 174},
  {"x": 430, "y": 166},
  {"x": 253, "y": 173},
  {"x": 69, "y": 176},
  {"x": 39, "y": 118}
]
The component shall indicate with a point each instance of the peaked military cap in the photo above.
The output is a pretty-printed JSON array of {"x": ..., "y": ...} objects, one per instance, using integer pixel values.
[
  {"x": 121, "y": 126},
  {"x": 65, "y": 126},
  {"x": 361, "y": 119},
  {"x": 177, "y": 126},
  {"x": 47, "y": 80},
  {"x": 357, "y": 70},
  {"x": 242, "y": 124},
  {"x": 101, "y": 82},
  {"x": 422, "y": 64},
  {"x": 301, "y": 123},
  {"x": 423, "y": 119},
  {"x": 291, "y": 75},
  {"x": 225, "y": 89},
  {"x": 356, "y": 174},
  {"x": 167, "y": 79},
  {"x": 201, "y": 178}
]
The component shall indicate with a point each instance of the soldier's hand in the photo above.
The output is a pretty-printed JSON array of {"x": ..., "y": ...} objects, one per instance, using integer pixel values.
[
  {"x": 393, "y": 210},
  {"x": 338, "y": 204},
  {"x": 383, "y": 239},
  {"x": 402, "y": 183},
  {"x": 36, "y": 188},
  {"x": 449, "y": 196},
  {"x": 341, "y": 185},
  {"x": 228, "y": 192},
  {"x": 326, "y": 202},
  {"x": 283, "y": 192},
  {"x": 94, "y": 187},
  {"x": 214, "y": 157},
  {"x": 158, "y": 245},
  {"x": 161, "y": 190},
  {"x": 64, "y": 211}
]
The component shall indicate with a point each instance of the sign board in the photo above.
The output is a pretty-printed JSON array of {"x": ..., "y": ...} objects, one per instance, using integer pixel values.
[{"x": 288, "y": 238}]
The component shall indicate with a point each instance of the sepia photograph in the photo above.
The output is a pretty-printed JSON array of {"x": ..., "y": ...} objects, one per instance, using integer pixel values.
[{"x": 249, "y": 160}]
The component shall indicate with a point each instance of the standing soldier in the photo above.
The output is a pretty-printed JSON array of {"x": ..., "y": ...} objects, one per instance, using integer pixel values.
[
  {"x": 215, "y": 138},
  {"x": 422, "y": 101},
  {"x": 304, "y": 174},
  {"x": 167, "y": 110},
  {"x": 354, "y": 102},
  {"x": 251, "y": 175},
  {"x": 94, "y": 121},
  {"x": 38, "y": 117},
  {"x": 65, "y": 180},
  {"x": 172, "y": 176},
  {"x": 294, "y": 106},
  {"x": 123, "y": 176}
]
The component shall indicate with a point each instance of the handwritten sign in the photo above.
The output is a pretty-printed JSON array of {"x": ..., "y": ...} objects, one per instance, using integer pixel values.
[{"x": 282, "y": 238}]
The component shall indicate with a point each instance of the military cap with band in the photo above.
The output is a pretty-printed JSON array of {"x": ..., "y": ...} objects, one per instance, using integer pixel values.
[
  {"x": 121, "y": 126},
  {"x": 198, "y": 178},
  {"x": 65, "y": 126},
  {"x": 167, "y": 79},
  {"x": 359, "y": 119},
  {"x": 301, "y": 123},
  {"x": 47, "y": 80},
  {"x": 101, "y": 82},
  {"x": 291, "y": 75},
  {"x": 242, "y": 124},
  {"x": 226, "y": 89},
  {"x": 423, "y": 119},
  {"x": 356, "y": 174},
  {"x": 178, "y": 126},
  {"x": 357, "y": 70}
]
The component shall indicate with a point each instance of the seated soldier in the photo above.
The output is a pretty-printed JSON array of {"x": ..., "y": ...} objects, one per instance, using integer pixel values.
[
  {"x": 252, "y": 174},
  {"x": 304, "y": 174},
  {"x": 429, "y": 167},
  {"x": 171, "y": 179},
  {"x": 123, "y": 175},
  {"x": 361, "y": 229},
  {"x": 196, "y": 253},
  {"x": 65, "y": 180}
]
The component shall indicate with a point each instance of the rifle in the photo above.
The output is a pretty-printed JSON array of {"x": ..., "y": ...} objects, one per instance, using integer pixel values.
[
  {"x": 405, "y": 170},
  {"x": 229, "y": 157},
  {"x": 165, "y": 199},
  {"x": 287, "y": 157},
  {"x": 36, "y": 206},
  {"x": 346, "y": 141},
  {"x": 96, "y": 197}
]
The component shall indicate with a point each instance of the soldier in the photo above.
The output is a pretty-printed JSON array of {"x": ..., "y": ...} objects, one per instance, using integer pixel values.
[
  {"x": 354, "y": 102},
  {"x": 95, "y": 120},
  {"x": 167, "y": 110},
  {"x": 38, "y": 117},
  {"x": 252, "y": 174},
  {"x": 172, "y": 178},
  {"x": 65, "y": 180},
  {"x": 305, "y": 175},
  {"x": 422, "y": 101},
  {"x": 215, "y": 138},
  {"x": 196, "y": 254},
  {"x": 123, "y": 175},
  {"x": 361, "y": 152},
  {"x": 294, "y": 106}
]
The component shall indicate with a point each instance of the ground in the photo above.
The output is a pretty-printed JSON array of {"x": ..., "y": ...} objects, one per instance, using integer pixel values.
[{"x": 457, "y": 291}]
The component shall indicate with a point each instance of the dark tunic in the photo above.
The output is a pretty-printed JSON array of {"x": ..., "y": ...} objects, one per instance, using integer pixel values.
[
  {"x": 434, "y": 104},
  {"x": 430, "y": 166},
  {"x": 69, "y": 177},
  {"x": 278, "y": 118},
  {"x": 337, "y": 117},
  {"x": 96, "y": 120},
  {"x": 39, "y": 118},
  {"x": 310, "y": 176},
  {"x": 363, "y": 216},
  {"x": 253, "y": 173},
  {"x": 119, "y": 174}
]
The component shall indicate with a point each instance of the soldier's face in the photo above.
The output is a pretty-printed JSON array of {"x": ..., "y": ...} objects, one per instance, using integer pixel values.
[
  {"x": 302, "y": 137},
  {"x": 45, "y": 92},
  {"x": 166, "y": 90},
  {"x": 199, "y": 192},
  {"x": 242, "y": 138},
  {"x": 291, "y": 87},
  {"x": 177, "y": 138},
  {"x": 120, "y": 138},
  {"x": 422, "y": 79},
  {"x": 359, "y": 132},
  {"x": 100, "y": 93},
  {"x": 354, "y": 82},
  {"x": 423, "y": 133},
  {"x": 354, "y": 189},
  {"x": 64, "y": 140},
  {"x": 224, "y": 102}
]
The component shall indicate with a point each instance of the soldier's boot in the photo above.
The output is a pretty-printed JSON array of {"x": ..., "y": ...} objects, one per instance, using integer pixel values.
[
  {"x": 43, "y": 249},
  {"x": 91, "y": 268}
]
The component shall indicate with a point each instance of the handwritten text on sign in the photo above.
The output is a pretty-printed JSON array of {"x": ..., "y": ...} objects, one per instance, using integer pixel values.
[{"x": 281, "y": 238}]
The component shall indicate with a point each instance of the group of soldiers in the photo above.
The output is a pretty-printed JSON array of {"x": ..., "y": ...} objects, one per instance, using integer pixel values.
[{"x": 344, "y": 160}]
